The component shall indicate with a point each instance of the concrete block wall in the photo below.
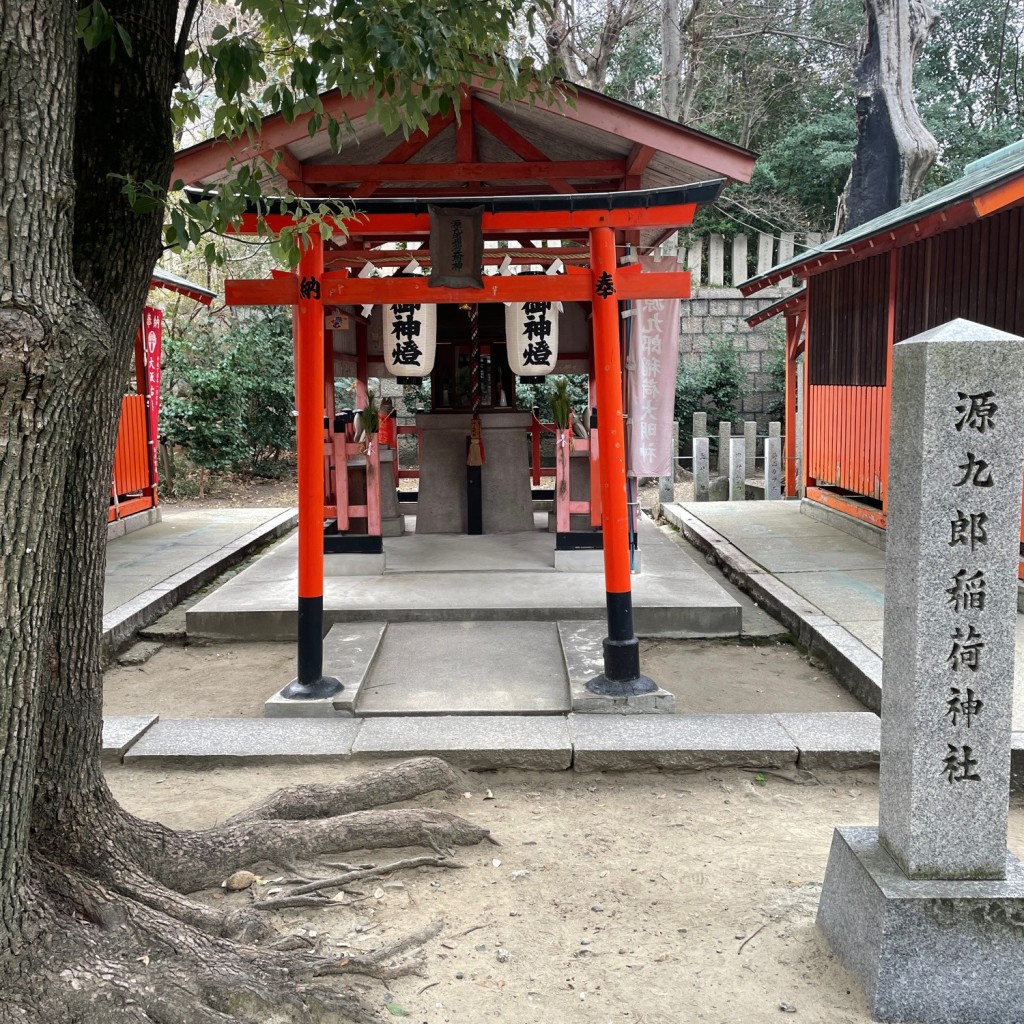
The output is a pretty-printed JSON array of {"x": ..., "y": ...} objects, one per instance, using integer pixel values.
[{"x": 715, "y": 312}]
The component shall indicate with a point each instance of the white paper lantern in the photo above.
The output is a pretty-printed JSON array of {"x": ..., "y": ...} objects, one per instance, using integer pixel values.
[
  {"x": 410, "y": 339},
  {"x": 531, "y": 335}
]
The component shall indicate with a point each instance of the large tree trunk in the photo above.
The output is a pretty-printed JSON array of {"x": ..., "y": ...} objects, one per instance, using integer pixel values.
[
  {"x": 115, "y": 250},
  {"x": 894, "y": 150},
  {"x": 47, "y": 331}
]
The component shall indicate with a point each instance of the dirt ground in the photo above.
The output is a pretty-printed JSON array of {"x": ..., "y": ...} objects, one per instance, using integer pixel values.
[
  {"x": 713, "y": 676},
  {"x": 644, "y": 898}
]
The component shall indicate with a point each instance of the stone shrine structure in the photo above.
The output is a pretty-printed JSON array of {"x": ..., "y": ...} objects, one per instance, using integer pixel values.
[{"x": 928, "y": 909}]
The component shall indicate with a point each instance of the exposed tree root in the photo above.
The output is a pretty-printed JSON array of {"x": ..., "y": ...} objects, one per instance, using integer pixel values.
[
  {"x": 122, "y": 943},
  {"x": 375, "y": 788},
  {"x": 205, "y": 858}
]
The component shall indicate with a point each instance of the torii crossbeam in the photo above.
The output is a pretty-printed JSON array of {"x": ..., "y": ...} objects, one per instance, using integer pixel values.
[{"x": 604, "y": 284}]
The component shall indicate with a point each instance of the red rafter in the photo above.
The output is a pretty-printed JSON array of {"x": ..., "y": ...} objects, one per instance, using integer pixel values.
[
  {"x": 407, "y": 149},
  {"x": 639, "y": 157}
]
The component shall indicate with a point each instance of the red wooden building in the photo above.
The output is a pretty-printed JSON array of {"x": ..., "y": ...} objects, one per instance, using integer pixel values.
[
  {"x": 134, "y": 485},
  {"x": 578, "y": 186},
  {"x": 955, "y": 252}
]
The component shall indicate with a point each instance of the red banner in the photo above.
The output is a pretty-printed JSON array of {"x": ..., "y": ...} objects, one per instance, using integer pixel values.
[{"x": 152, "y": 338}]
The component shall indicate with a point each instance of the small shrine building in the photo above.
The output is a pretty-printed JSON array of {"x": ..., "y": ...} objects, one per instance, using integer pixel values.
[{"x": 506, "y": 239}]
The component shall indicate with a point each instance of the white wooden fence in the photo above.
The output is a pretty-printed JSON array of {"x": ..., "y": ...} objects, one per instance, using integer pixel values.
[{"x": 706, "y": 258}]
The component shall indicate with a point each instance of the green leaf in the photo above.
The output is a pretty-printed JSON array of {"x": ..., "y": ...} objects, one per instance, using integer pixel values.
[{"x": 395, "y": 1010}]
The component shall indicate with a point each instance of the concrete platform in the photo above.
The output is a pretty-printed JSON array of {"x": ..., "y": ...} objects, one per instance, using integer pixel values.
[
  {"x": 509, "y": 578},
  {"x": 484, "y": 742},
  {"x": 150, "y": 571},
  {"x": 687, "y": 742},
  {"x": 834, "y": 739},
  {"x": 824, "y": 584},
  {"x": 122, "y": 732}
]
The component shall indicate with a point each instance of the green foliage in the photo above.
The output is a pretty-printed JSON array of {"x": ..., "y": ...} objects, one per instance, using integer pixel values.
[
  {"x": 95, "y": 26},
  {"x": 417, "y": 396},
  {"x": 371, "y": 413},
  {"x": 561, "y": 403},
  {"x": 968, "y": 82},
  {"x": 713, "y": 383},
  {"x": 408, "y": 58},
  {"x": 534, "y": 394},
  {"x": 774, "y": 366},
  {"x": 229, "y": 397}
]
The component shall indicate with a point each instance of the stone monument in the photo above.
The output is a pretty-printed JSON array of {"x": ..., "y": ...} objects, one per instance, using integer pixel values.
[
  {"x": 724, "y": 434},
  {"x": 700, "y": 424},
  {"x": 701, "y": 470},
  {"x": 737, "y": 469},
  {"x": 928, "y": 909},
  {"x": 750, "y": 439},
  {"x": 773, "y": 468}
]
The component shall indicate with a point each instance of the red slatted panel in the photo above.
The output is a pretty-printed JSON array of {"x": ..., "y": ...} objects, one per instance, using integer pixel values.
[
  {"x": 131, "y": 456},
  {"x": 843, "y": 432}
]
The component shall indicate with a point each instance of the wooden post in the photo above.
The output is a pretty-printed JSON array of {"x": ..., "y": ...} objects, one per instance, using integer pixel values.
[
  {"x": 621, "y": 675},
  {"x": 562, "y": 481},
  {"x": 310, "y": 683},
  {"x": 793, "y": 326}
]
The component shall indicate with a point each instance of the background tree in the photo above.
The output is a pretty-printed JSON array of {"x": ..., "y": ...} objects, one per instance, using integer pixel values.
[
  {"x": 894, "y": 149},
  {"x": 229, "y": 393},
  {"x": 94, "y": 925}
]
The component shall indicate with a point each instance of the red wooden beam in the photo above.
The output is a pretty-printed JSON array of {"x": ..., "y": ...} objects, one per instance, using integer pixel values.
[
  {"x": 718, "y": 157},
  {"x": 507, "y": 135},
  {"x": 518, "y": 144},
  {"x": 341, "y": 289},
  {"x": 407, "y": 149},
  {"x": 278, "y": 291},
  {"x": 465, "y": 144},
  {"x": 520, "y": 223},
  {"x": 460, "y": 190},
  {"x": 208, "y": 159},
  {"x": 468, "y": 170},
  {"x": 1005, "y": 195}
]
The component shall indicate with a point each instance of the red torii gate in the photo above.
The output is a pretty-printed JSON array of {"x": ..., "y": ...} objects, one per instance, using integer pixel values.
[{"x": 604, "y": 284}]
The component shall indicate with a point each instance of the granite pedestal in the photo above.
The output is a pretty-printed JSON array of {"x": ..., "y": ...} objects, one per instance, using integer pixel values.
[
  {"x": 507, "y": 501},
  {"x": 941, "y": 951}
]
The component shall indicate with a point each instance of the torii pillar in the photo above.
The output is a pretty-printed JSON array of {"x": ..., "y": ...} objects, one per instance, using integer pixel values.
[
  {"x": 310, "y": 683},
  {"x": 621, "y": 676}
]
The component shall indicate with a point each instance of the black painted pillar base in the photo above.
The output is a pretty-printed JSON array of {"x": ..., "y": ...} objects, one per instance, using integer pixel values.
[
  {"x": 311, "y": 683},
  {"x": 621, "y": 676},
  {"x": 474, "y": 501},
  {"x": 319, "y": 689}
]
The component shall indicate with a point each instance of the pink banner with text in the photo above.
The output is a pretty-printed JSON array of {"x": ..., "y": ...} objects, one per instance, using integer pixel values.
[
  {"x": 152, "y": 338},
  {"x": 653, "y": 356}
]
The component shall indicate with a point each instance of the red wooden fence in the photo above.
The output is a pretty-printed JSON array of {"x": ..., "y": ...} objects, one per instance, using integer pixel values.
[{"x": 132, "y": 490}]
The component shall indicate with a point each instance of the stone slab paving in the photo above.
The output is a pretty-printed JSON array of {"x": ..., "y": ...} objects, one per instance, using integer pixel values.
[
  {"x": 183, "y": 741},
  {"x": 834, "y": 739},
  {"x": 152, "y": 570},
  {"x": 349, "y": 652},
  {"x": 464, "y": 668},
  {"x": 122, "y": 731},
  {"x": 693, "y": 742},
  {"x": 479, "y": 742}
]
